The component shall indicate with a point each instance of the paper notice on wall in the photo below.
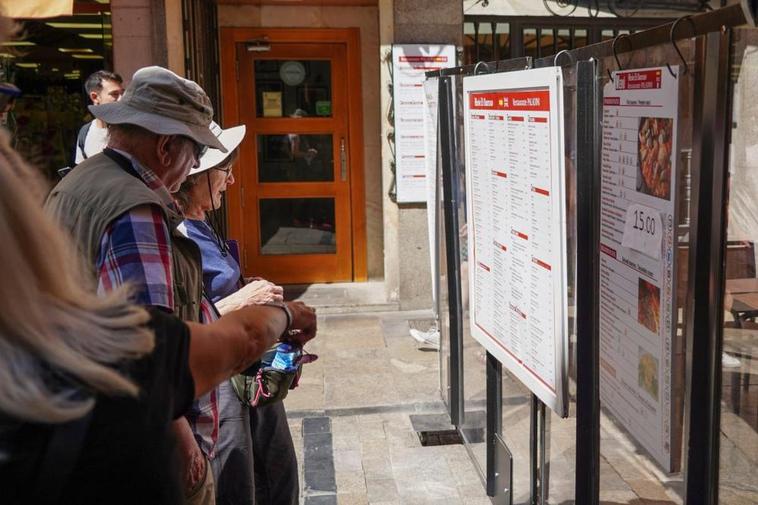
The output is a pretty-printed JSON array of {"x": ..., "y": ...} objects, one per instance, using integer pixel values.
[
  {"x": 637, "y": 238},
  {"x": 272, "y": 104},
  {"x": 515, "y": 180},
  {"x": 431, "y": 92},
  {"x": 410, "y": 62}
]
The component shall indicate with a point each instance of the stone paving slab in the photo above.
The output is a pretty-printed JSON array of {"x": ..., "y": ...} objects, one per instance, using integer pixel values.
[{"x": 351, "y": 423}]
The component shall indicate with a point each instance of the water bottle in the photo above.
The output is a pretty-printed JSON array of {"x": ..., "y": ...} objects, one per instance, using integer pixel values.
[{"x": 286, "y": 357}]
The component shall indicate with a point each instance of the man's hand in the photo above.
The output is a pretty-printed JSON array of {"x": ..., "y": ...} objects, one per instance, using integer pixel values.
[
  {"x": 231, "y": 344},
  {"x": 192, "y": 458},
  {"x": 304, "y": 325}
]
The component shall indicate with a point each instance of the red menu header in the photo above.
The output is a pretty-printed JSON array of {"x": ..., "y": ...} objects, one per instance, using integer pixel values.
[
  {"x": 633, "y": 79},
  {"x": 534, "y": 100}
]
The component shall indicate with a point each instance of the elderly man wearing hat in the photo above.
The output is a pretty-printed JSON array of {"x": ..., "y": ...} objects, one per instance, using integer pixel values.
[
  {"x": 273, "y": 451},
  {"x": 119, "y": 209}
]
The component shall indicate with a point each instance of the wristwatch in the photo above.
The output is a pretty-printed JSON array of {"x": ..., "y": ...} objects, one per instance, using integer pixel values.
[{"x": 287, "y": 313}]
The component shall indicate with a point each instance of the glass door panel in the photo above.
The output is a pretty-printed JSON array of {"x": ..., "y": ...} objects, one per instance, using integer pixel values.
[
  {"x": 294, "y": 88},
  {"x": 297, "y": 226},
  {"x": 293, "y": 157}
]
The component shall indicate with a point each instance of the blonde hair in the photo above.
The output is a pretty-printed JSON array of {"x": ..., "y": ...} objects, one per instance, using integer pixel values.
[{"x": 52, "y": 324}]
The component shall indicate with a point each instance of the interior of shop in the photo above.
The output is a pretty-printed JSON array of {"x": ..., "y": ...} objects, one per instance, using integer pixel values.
[{"x": 49, "y": 60}]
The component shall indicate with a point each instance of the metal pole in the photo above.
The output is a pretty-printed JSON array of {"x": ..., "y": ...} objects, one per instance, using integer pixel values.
[
  {"x": 494, "y": 420},
  {"x": 587, "y": 279},
  {"x": 533, "y": 452},
  {"x": 543, "y": 455},
  {"x": 448, "y": 157},
  {"x": 706, "y": 268}
]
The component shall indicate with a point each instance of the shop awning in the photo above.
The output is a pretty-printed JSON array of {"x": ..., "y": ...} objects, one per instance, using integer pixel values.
[{"x": 36, "y": 8}]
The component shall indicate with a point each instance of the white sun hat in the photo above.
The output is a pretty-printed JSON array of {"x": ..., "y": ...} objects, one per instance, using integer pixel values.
[{"x": 229, "y": 138}]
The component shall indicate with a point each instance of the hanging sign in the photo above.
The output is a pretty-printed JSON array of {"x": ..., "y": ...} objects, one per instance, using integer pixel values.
[
  {"x": 515, "y": 180},
  {"x": 638, "y": 202},
  {"x": 410, "y": 62}
]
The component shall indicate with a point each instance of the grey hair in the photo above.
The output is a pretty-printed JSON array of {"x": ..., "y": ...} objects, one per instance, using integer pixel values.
[{"x": 184, "y": 195}]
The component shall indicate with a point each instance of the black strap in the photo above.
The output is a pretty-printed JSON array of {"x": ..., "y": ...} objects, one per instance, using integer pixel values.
[
  {"x": 82, "y": 138},
  {"x": 60, "y": 458},
  {"x": 122, "y": 161}
]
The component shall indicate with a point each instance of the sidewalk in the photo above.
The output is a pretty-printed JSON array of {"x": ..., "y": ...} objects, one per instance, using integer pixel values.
[
  {"x": 350, "y": 418},
  {"x": 351, "y": 422}
]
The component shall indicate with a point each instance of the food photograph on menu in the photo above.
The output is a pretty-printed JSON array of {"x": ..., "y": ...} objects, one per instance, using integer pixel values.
[
  {"x": 649, "y": 305},
  {"x": 654, "y": 147},
  {"x": 648, "y": 373}
]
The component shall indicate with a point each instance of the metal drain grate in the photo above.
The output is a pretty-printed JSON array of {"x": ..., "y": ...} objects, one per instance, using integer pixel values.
[{"x": 442, "y": 437}]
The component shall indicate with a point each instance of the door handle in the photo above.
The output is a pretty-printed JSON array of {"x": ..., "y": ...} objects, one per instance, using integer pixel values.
[{"x": 343, "y": 160}]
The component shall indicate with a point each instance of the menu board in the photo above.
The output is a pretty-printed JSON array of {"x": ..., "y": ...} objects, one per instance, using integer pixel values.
[
  {"x": 637, "y": 239},
  {"x": 515, "y": 181},
  {"x": 431, "y": 92},
  {"x": 410, "y": 62}
]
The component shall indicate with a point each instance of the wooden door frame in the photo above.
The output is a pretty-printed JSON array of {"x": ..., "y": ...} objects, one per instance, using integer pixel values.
[{"x": 350, "y": 37}]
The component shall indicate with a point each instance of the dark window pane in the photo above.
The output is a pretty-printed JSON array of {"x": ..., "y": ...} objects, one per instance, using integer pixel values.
[
  {"x": 297, "y": 226},
  {"x": 294, "y": 157},
  {"x": 293, "y": 88}
]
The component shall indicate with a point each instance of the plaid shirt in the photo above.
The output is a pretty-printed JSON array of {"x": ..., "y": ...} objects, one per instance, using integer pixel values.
[{"x": 136, "y": 248}]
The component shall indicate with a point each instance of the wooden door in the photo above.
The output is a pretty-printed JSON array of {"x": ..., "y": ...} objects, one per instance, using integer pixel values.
[{"x": 295, "y": 188}]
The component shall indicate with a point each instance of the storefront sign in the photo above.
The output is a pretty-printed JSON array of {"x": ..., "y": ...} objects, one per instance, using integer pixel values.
[
  {"x": 637, "y": 239},
  {"x": 36, "y": 8},
  {"x": 516, "y": 187},
  {"x": 410, "y": 62}
]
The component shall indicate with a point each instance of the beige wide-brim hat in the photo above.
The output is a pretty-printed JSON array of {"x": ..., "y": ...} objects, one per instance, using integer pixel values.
[
  {"x": 231, "y": 138},
  {"x": 164, "y": 103}
]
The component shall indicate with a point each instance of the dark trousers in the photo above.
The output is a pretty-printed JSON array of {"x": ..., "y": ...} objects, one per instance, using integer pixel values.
[
  {"x": 276, "y": 477},
  {"x": 232, "y": 464}
]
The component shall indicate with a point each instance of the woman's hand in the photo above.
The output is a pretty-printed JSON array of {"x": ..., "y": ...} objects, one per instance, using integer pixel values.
[
  {"x": 261, "y": 291},
  {"x": 257, "y": 292}
]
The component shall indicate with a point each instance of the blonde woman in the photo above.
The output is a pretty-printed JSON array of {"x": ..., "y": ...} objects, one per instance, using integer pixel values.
[{"x": 89, "y": 385}]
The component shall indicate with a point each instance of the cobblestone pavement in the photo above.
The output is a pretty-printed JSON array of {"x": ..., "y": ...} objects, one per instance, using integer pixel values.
[
  {"x": 350, "y": 418},
  {"x": 351, "y": 421}
]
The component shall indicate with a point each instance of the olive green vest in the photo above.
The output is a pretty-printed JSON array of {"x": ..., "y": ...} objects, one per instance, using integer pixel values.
[{"x": 98, "y": 191}]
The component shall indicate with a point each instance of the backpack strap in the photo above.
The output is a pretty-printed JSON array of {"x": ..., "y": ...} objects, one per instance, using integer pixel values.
[
  {"x": 59, "y": 460},
  {"x": 82, "y": 138}
]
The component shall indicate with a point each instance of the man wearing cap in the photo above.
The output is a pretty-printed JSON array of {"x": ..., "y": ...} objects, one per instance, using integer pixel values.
[{"x": 118, "y": 207}]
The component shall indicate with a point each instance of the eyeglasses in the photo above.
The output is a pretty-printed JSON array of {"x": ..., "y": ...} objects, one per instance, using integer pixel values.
[{"x": 227, "y": 171}]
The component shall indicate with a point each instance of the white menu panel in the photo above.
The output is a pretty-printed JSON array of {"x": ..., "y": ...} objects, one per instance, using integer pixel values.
[
  {"x": 431, "y": 92},
  {"x": 515, "y": 182},
  {"x": 410, "y": 62},
  {"x": 637, "y": 238}
]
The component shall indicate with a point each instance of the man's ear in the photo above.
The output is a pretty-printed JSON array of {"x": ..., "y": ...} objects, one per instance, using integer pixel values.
[
  {"x": 163, "y": 150},
  {"x": 94, "y": 97}
]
